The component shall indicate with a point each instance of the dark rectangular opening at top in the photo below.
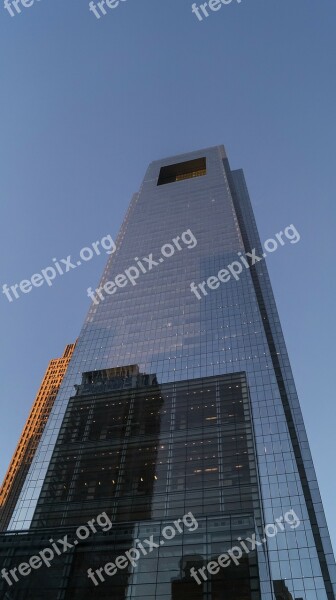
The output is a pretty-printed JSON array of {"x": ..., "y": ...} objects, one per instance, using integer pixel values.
[{"x": 183, "y": 170}]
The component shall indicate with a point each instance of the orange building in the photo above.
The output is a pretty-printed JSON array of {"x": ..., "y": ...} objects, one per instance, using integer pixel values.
[{"x": 31, "y": 435}]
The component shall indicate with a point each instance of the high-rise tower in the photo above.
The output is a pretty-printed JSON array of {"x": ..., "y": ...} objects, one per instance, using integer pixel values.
[
  {"x": 31, "y": 435},
  {"x": 184, "y": 402}
]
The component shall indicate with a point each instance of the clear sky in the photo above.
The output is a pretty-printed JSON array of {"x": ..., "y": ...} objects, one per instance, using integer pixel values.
[{"x": 86, "y": 104}]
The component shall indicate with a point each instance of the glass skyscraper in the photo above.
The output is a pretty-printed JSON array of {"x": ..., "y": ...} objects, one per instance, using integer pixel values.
[{"x": 177, "y": 402}]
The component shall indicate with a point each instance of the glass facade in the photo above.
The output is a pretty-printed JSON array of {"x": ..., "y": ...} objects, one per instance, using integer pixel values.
[
  {"x": 161, "y": 326},
  {"x": 148, "y": 454},
  {"x": 159, "y": 452}
]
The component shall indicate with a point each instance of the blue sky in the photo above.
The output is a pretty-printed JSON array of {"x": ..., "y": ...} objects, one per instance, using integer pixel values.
[{"x": 86, "y": 104}]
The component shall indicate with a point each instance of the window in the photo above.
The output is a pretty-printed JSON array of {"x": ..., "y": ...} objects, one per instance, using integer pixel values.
[{"x": 184, "y": 170}]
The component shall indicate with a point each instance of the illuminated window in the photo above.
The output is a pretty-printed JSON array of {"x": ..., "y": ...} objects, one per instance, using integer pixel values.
[{"x": 184, "y": 170}]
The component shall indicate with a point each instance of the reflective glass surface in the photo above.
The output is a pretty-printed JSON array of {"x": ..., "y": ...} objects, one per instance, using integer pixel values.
[{"x": 160, "y": 325}]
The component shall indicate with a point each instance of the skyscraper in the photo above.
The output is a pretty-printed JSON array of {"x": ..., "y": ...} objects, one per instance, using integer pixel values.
[
  {"x": 179, "y": 399},
  {"x": 31, "y": 435}
]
